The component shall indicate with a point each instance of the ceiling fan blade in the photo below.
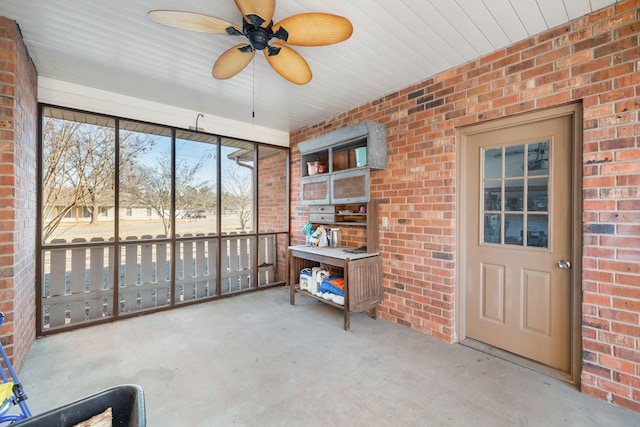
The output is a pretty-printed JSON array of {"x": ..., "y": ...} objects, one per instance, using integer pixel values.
[
  {"x": 289, "y": 64},
  {"x": 263, "y": 8},
  {"x": 315, "y": 29},
  {"x": 192, "y": 21},
  {"x": 233, "y": 61}
]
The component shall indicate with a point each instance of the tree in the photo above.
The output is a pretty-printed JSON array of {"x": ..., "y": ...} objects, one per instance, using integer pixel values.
[
  {"x": 79, "y": 167},
  {"x": 153, "y": 186},
  {"x": 237, "y": 194}
]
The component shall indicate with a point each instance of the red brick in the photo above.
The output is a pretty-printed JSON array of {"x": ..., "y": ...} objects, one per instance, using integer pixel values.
[
  {"x": 617, "y": 46},
  {"x": 620, "y": 168},
  {"x": 561, "y": 78},
  {"x": 596, "y": 346},
  {"x": 626, "y": 379},
  {"x": 599, "y": 111},
  {"x": 620, "y": 20},
  {"x": 591, "y": 42},
  {"x": 536, "y": 92},
  {"x": 613, "y": 72},
  {"x": 593, "y": 391},
  {"x": 616, "y": 388},
  {"x": 519, "y": 108},
  {"x": 629, "y": 330},
  {"x": 597, "y": 370},
  {"x": 631, "y": 306},
  {"x": 629, "y": 105},
  {"x": 631, "y": 356},
  {"x": 554, "y": 33},
  {"x": 592, "y": 89},
  {"x": 616, "y": 339},
  {"x": 595, "y": 299},
  {"x": 506, "y": 61},
  {"x": 594, "y": 322},
  {"x": 598, "y": 181},
  {"x": 624, "y": 6},
  {"x": 619, "y": 316},
  {"x": 569, "y": 61},
  {"x": 556, "y": 99},
  {"x": 591, "y": 67}
]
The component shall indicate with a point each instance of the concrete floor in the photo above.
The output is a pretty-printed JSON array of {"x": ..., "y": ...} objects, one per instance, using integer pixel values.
[{"x": 255, "y": 360}]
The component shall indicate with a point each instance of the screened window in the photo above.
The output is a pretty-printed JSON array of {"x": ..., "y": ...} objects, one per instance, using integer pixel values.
[{"x": 138, "y": 216}]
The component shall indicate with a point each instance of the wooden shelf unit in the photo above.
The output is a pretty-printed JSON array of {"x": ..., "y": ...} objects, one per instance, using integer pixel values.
[
  {"x": 362, "y": 275},
  {"x": 349, "y": 154}
]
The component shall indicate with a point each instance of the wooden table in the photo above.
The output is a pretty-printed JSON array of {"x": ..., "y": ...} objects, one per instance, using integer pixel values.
[{"x": 362, "y": 273}]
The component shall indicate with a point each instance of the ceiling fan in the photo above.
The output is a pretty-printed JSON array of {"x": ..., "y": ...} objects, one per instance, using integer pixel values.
[{"x": 305, "y": 29}]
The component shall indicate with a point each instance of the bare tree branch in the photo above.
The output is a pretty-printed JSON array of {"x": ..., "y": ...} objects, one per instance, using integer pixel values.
[
  {"x": 79, "y": 168},
  {"x": 237, "y": 195}
]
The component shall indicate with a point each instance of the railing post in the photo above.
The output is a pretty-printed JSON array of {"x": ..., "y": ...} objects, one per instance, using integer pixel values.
[
  {"x": 128, "y": 289},
  {"x": 78, "y": 281},
  {"x": 201, "y": 283},
  {"x": 97, "y": 279},
  {"x": 146, "y": 270}
]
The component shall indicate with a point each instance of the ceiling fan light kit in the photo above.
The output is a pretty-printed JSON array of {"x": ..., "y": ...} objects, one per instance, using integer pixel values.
[{"x": 305, "y": 29}]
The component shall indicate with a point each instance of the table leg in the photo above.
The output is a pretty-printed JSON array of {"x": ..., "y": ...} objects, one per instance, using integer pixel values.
[{"x": 291, "y": 279}]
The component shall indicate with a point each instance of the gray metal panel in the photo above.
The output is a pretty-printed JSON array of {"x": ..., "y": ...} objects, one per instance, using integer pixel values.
[
  {"x": 376, "y": 142},
  {"x": 377, "y": 145},
  {"x": 346, "y": 134}
]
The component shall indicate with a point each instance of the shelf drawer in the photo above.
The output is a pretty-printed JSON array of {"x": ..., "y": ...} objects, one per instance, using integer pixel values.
[
  {"x": 322, "y": 209},
  {"x": 323, "y": 218}
]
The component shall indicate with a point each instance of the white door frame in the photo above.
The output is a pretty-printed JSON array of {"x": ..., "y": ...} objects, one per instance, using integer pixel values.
[{"x": 462, "y": 135}]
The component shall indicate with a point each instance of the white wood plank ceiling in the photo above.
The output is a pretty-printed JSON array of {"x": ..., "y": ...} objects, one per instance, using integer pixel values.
[{"x": 112, "y": 45}]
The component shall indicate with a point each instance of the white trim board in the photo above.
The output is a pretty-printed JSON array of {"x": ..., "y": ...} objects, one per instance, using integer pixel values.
[{"x": 71, "y": 95}]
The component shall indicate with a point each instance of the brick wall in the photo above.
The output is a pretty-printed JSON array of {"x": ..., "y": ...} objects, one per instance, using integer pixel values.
[
  {"x": 595, "y": 60},
  {"x": 18, "y": 127},
  {"x": 272, "y": 204}
]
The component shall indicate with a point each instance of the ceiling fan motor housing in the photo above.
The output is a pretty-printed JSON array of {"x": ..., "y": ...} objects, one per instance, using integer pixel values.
[{"x": 259, "y": 36}]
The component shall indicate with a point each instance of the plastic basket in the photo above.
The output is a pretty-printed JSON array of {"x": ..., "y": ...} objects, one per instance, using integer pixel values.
[{"x": 125, "y": 401}]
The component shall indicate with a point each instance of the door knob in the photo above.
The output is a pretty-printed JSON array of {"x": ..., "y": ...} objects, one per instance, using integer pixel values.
[{"x": 564, "y": 265}]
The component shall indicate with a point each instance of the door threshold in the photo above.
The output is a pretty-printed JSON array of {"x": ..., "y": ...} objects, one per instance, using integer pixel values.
[{"x": 518, "y": 360}]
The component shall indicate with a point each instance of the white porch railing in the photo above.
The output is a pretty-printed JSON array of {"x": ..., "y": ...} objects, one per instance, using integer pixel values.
[{"x": 78, "y": 281}]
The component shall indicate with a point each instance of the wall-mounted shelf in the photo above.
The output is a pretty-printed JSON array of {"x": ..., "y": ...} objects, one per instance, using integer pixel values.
[{"x": 349, "y": 154}]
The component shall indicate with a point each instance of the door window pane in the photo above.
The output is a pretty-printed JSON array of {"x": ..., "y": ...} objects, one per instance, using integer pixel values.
[
  {"x": 538, "y": 158},
  {"x": 513, "y": 226},
  {"x": 492, "y": 228},
  {"x": 538, "y": 194},
  {"x": 514, "y": 195},
  {"x": 493, "y": 163},
  {"x": 196, "y": 189},
  {"x": 145, "y": 181},
  {"x": 493, "y": 195},
  {"x": 514, "y": 161},
  {"x": 538, "y": 231}
]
